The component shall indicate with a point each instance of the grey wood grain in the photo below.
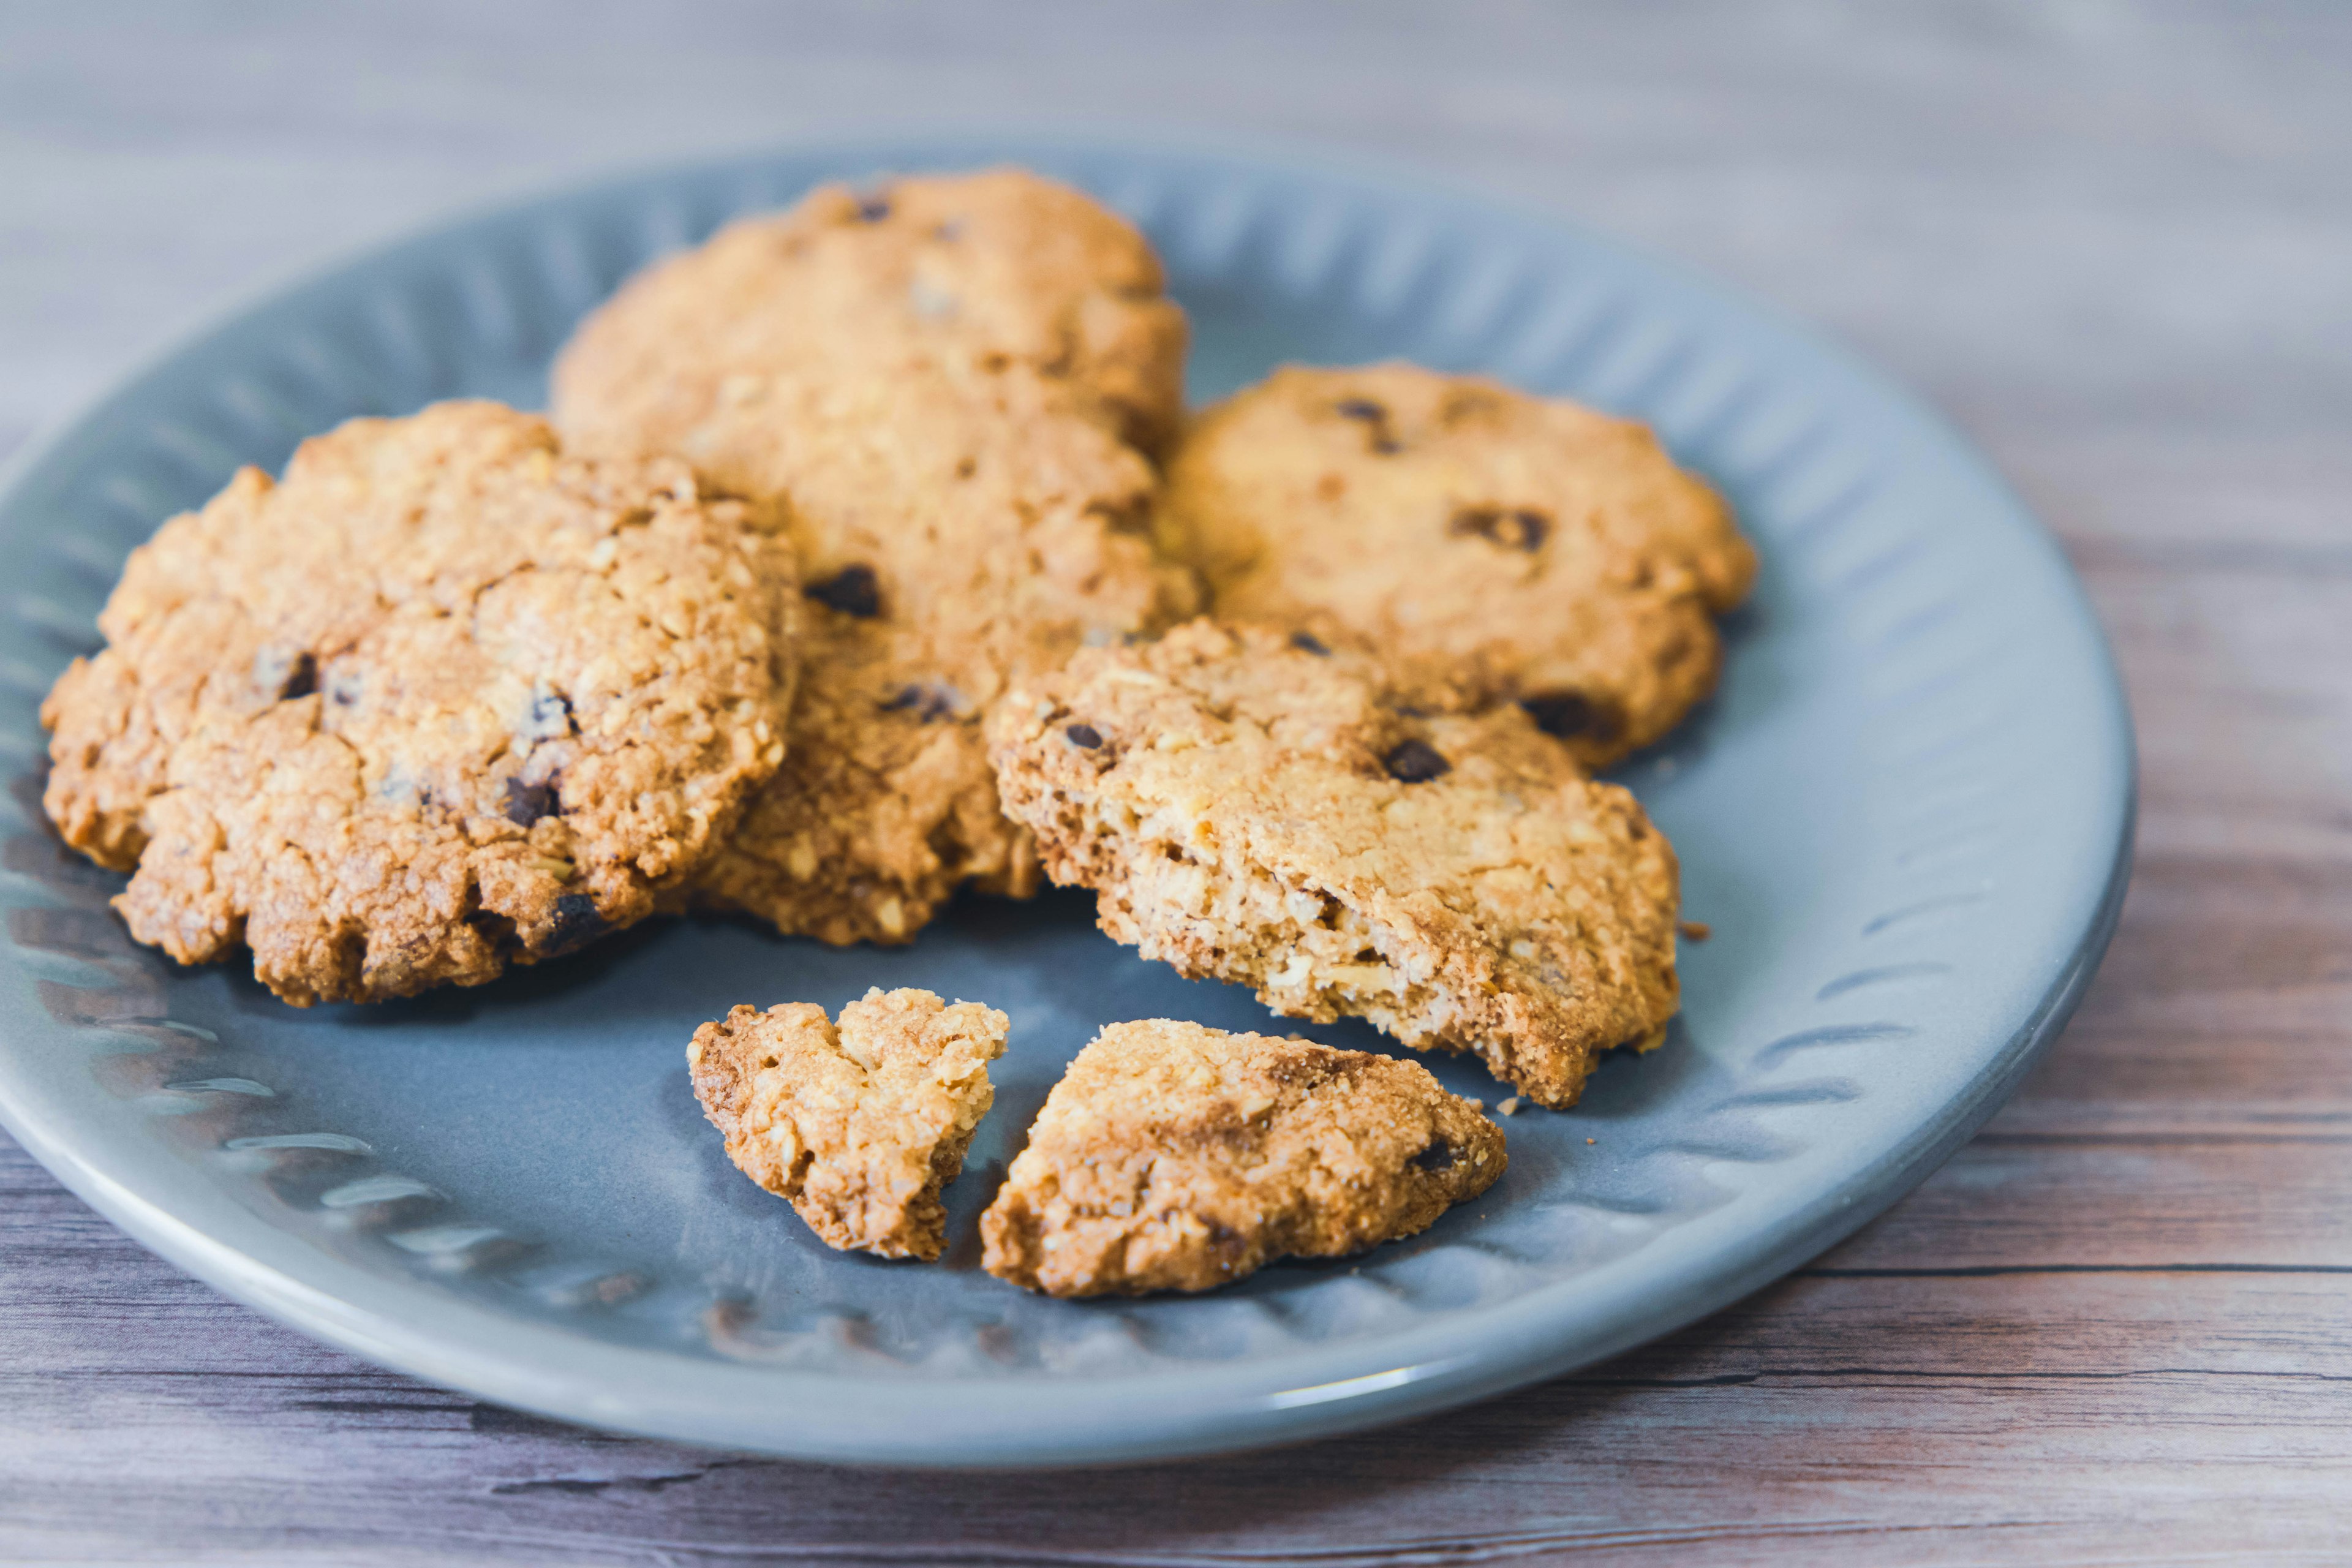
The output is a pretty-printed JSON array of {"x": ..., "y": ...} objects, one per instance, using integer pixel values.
[{"x": 2113, "y": 241}]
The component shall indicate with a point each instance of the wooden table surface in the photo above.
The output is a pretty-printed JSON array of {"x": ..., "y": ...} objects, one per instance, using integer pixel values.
[{"x": 2114, "y": 242}]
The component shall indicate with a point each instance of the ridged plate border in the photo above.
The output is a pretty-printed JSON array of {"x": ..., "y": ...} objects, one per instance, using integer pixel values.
[{"x": 1910, "y": 814}]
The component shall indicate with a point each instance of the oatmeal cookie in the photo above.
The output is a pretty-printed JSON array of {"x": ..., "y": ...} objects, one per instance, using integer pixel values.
[
  {"x": 1271, "y": 811},
  {"x": 956, "y": 528},
  {"x": 858, "y": 1127},
  {"x": 1176, "y": 1157},
  {"x": 1547, "y": 552},
  {"x": 974, "y": 271},
  {"x": 443, "y": 698}
]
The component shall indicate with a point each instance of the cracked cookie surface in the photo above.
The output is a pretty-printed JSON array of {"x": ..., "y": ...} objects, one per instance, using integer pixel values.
[
  {"x": 1172, "y": 1156},
  {"x": 857, "y": 1126},
  {"x": 1268, "y": 810},
  {"x": 964, "y": 510},
  {"x": 442, "y": 698},
  {"x": 1539, "y": 549},
  {"x": 973, "y": 271}
]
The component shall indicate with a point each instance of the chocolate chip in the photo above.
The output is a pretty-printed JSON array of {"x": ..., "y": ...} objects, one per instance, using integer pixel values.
[
  {"x": 1086, "y": 737},
  {"x": 1386, "y": 446},
  {"x": 344, "y": 687},
  {"x": 852, "y": 590},
  {"x": 1307, "y": 642},
  {"x": 1360, "y": 408},
  {"x": 301, "y": 680},
  {"x": 548, "y": 717},
  {"x": 927, "y": 700},
  {"x": 576, "y": 922},
  {"x": 1513, "y": 528},
  {"x": 873, "y": 210},
  {"x": 1570, "y": 714},
  {"x": 1415, "y": 761},
  {"x": 1438, "y": 1156},
  {"x": 527, "y": 803}
]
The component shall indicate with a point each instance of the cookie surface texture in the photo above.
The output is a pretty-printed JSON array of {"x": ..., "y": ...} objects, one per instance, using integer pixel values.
[
  {"x": 443, "y": 698},
  {"x": 977, "y": 271},
  {"x": 860, "y": 1126},
  {"x": 1552, "y": 554},
  {"x": 964, "y": 513},
  {"x": 1269, "y": 811},
  {"x": 1176, "y": 1157}
]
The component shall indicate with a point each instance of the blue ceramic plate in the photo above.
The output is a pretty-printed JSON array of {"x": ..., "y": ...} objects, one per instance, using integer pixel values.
[{"x": 1907, "y": 817}]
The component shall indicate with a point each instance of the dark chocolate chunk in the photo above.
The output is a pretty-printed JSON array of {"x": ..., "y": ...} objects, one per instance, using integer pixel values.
[
  {"x": 1513, "y": 528},
  {"x": 873, "y": 210},
  {"x": 852, "y": 590},
  {"x": 1415, "y": 761},
  {"x": 1438, "y": 1156},
  {"x": 1360, "y": 408},
  {"x": 301, "y": 680},
  {"x": 344, "y": 687},
  {"x": 576, "y": 923},
  {"x": 1307, "y": 642},
  {"x": 927, "y": 700},
  {"x": 1086, "y": 737},
  {"x": 527, "y": 803},
  {"x": 549, "y": 717},
  {"x": 1568, "y": 714}
]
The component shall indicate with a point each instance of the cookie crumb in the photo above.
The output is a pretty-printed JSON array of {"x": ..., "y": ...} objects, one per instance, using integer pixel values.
[
  {"x": 1509, "y": 1106},
  {"x": 1695, "y": 931}
]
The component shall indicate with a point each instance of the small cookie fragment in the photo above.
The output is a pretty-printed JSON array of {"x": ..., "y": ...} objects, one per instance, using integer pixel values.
[
  {"x": 1172, "y": 1156},
  {"x": 858, "y": 1127},
  {"x": 1554, "y": 553},
  {"x": 1249, "y": 810},
  {"x": 443, "y": 698}
]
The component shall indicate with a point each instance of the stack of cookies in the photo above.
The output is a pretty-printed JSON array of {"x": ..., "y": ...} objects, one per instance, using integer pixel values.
[{"x": 869, "y": 556}]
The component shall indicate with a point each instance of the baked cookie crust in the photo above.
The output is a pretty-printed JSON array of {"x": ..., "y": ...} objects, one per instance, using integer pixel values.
[
  {"x": 443, "y": 698},
  {"x": 1177, "y": 1157},
  {"x": 859, "y": 1126},
  {"x": 1540, "y": 550},
  {"x": 973, "y": 271},
  {"x": 1271, "y": 811}
]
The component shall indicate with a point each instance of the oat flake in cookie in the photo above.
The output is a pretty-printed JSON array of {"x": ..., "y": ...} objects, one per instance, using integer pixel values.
[
  {"x": 1248, "y": 808},
  {"x": 443, "y": 698},
  {"x": 1172, "y": 1156},
  {"x": 858, "y": 1127},
  {"x": 1545, "y": 552}
]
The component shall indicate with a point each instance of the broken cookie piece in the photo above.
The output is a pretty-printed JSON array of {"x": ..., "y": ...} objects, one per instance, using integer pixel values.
[
  {"x": 858, "y": 1127},
  {"x": 1172, "y": 1156},
  {"x": 1251, "y": 810}
]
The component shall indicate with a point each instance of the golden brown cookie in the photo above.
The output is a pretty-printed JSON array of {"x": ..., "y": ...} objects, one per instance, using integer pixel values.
[
  {"x": 859, "y": 1127},
  {"x": 957, "y": 529},
  {"x": 1265, "y": 810},
  {"x": 443, "y": 698},
  {"x": 973, "y": 271},
  {"x": 964, "y": 510},
  {"x": 1538, "y": 550},
  {"x": 1176, "y": 1157}
]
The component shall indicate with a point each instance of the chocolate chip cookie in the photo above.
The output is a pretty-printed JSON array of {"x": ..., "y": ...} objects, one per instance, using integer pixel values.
[
  {"x": 445, "y": 698},
  {"x": 1273, "y": 811},
  {"x": 858, "y": 1127},
  {"x": 1176, "y": 1157},
  {"x": 974, "y": 271},
  {"x": 1544, "y": 552}
]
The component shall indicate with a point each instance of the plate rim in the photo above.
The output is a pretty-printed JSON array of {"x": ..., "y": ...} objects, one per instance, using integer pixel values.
[{"x": 1506, "y": 1356}]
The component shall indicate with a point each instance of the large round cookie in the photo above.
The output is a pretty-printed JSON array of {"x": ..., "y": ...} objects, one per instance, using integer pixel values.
[
  {"x": 958, "y": 528},
  {"x": 1542, "y": 551},
  {"x": 443, "y": 698},
  {"x": 980, "y": 271}
]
